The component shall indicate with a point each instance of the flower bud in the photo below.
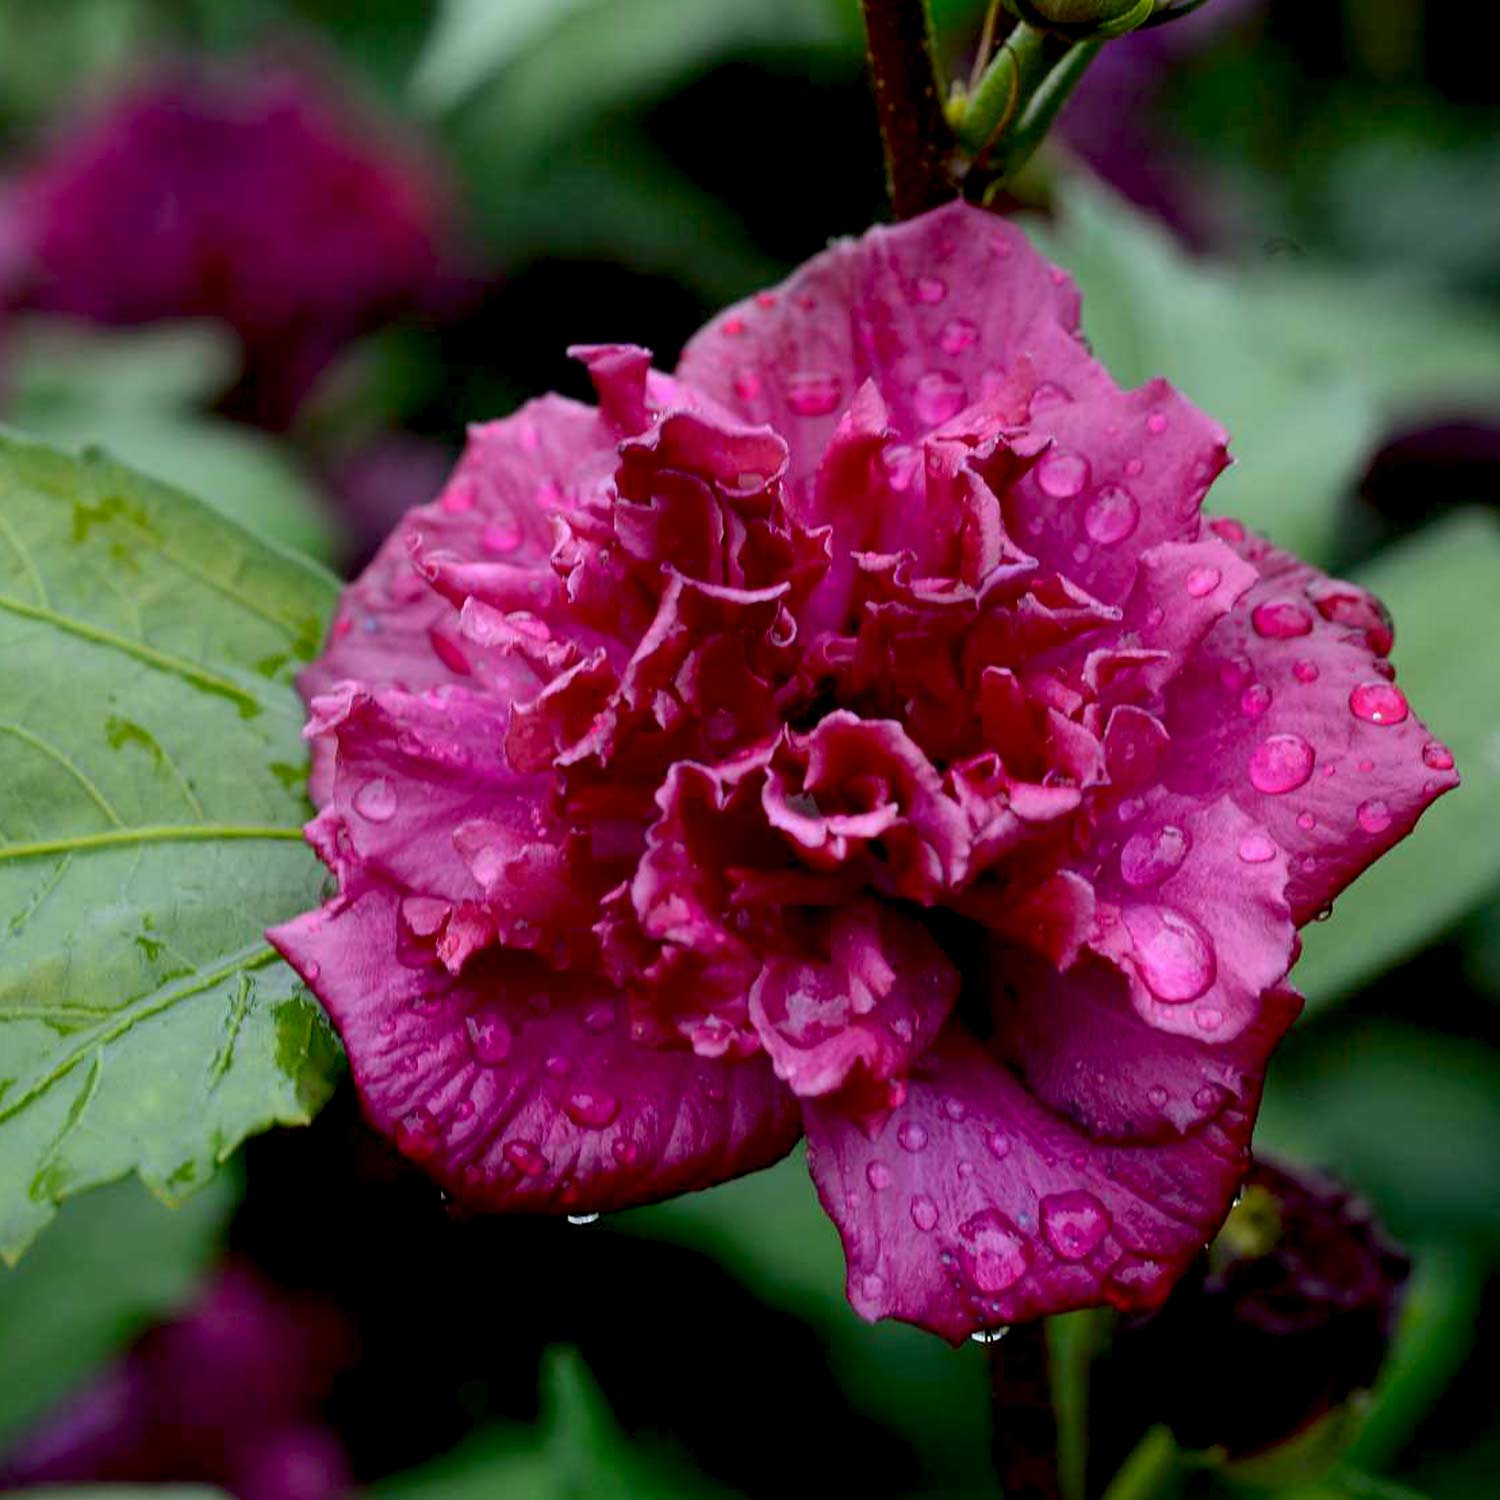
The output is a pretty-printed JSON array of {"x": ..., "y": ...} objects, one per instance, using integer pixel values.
[
  {"x": 1291, "y": 1309},
  {"x": 1082, "y": 19}
]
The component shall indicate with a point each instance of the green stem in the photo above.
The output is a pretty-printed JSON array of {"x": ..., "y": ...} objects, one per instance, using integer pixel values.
[
  {"x": 1042, "y": 109},
  {"x": 919, "y": 144},
  {"x": 1008, "y": 80},
  {"x": 1152, "y": 1472}
]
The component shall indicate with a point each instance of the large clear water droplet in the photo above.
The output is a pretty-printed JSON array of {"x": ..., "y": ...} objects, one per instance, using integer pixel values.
[{"x": 1281, "y": 763}]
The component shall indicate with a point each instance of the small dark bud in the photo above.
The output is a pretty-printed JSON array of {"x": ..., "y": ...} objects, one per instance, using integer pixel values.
[{"x": 1285, "y": 1316}]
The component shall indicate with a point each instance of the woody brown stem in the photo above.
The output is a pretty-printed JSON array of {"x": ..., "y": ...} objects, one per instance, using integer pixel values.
[{"x": 919, "y": 145}]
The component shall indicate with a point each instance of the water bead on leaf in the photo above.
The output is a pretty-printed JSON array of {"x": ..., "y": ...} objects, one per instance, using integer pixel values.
[{"x": 858, "y": 733}]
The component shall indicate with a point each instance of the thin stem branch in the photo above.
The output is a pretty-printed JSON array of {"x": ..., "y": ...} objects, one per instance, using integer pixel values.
[
  {"x": 1008, "y": 79},
  {"x": 914, "y": 128},
  {"x": 1044, "y": 107},
  {"x": 1024, "y": 1431},
  {"x": 986, "y": 44}
]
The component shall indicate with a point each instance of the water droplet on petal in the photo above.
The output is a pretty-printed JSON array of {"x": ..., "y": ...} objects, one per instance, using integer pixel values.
[
  {"x": 1374, "y": 816},
  {"x": 1074, "y": 1223},
  {"x": 500, "y": 535},
  {"x": 591, "y": 1108},
  {"x": 912, "y": 1136},
  {"x": 931, "y": 289},
  {"x": 1255, "y": 700},
  {"x": 1281, "y": 763},
  {"x": 1157, "y": 1095},
  {"x": 1257, "y": 848},
  {"x": 813, "y": 393},
  {"x": 376, "y": 800},
  {"x": 1201, "y": 582},
  {"x": 526, "y": 1158},
  {"x": 939, "y": 395},
  {"x": 1112, "y": 515},
  {"x": 878, "y": 1175},
  {"x": 957, "y": 335},
  {"x": 1306, "y": 822},
  {"x": 490, "y": 1039},
  {"x": 1156, "y": 423},
  {"x": 1062, "y": 475},
  {"x": 924, "y": 1213},
  {"x": 1048, "y": 397},
  {"x": 999, "y": 1144},
  {"x": 998, "y": 1258},
  {"x": 1149, "y": 857},
  {"x": 872, "y": 1286},
  {"x": 1380, "y": 703},
  {"x": 599, "y": 1018},
  {"x": 1175, "y": 959},
  {"x": 1438, "y": 757},
  {"x": 1281, "y": 619},
  {"x": 1208, "y": 1017}
]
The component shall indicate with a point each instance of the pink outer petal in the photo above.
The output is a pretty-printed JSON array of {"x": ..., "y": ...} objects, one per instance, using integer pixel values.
[
  {"x": 517, "y": 1087},
  {"x": 1126, "y": 471},
  {"x": 1286, "y": 708},
  {"x": 1083, "y": 1049},
  {"x": 497, "y": 506},
  {"x": 937, "y": 311},
  {"x": 876, "y": 1002},
  {"x": 973, "y": 1205},
  {"x": 1192, "y": 905}
]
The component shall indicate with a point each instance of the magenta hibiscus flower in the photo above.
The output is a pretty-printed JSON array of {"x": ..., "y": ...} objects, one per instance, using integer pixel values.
[{"x": 858, "y": 733}]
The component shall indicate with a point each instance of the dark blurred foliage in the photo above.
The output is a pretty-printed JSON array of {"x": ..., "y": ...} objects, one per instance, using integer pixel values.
[{"x": 617, "y": 170}]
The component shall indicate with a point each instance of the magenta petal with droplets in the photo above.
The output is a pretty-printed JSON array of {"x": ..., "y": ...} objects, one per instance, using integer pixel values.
[{"x": 860, "y": 731}]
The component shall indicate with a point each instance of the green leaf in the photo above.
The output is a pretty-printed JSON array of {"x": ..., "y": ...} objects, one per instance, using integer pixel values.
[
  {"x": 1441, "y": 589},
  {"x": 151, "y": 796},
  {"x": 115, "y": 1261},
  {"x": 472, "y": 39},
  {"x": 141, "y": 394},
  {"x": 1412, "y": 1116},
  {"x": 1073, "y": 1340},
  {"x": 57, "y": 361},
  {"x": 1439, "y": 1322},
  {"x": 576, "y": 1452},
  {"x": 242, "y": 473},
  {"x": 1304, "y": 367},
  {"x": 587, "y": 57}
]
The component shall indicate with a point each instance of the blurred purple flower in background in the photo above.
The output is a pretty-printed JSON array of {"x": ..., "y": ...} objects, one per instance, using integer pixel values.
[
  {"x": 255, "y": 195},
  {"x": 230, "y": 1395}
]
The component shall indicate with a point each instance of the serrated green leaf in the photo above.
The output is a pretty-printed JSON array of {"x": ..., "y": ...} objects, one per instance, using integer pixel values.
[
  {"x": 242, "y": 473},
  {"x": 1443, "y": 590},
  {"x": 115, "y": 1261},
  {"x": 151, "y": 797},
  {"x": 141, "y": 393},
  {"x": 576, "y": 1452}
]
